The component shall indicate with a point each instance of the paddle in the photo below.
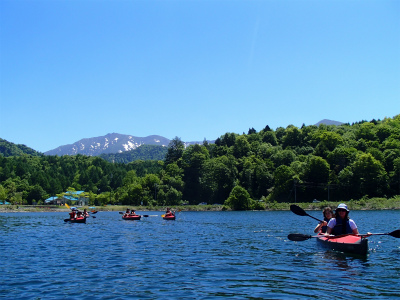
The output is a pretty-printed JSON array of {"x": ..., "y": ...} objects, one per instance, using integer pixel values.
[
  {"x": 298, "y": 237},
  {"x": 299, "y": 211},
  {"x": 395, "y": 233},
  {"x": 146, "y": 216}
]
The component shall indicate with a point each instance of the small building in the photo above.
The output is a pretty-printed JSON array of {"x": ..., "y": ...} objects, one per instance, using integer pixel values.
[
  {"x": 75, "y": 198},
  {"x": 54, "y": 200}
]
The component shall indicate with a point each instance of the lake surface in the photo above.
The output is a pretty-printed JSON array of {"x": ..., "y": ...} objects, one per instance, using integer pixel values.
[{"x": 201, "y": 255}]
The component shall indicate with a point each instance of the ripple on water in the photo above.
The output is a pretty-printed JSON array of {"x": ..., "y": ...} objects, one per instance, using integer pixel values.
[{"x": 202, "y": 255}]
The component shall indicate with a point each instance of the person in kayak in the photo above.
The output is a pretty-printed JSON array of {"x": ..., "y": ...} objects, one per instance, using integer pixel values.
[
  {"x": 169, "y": 212},
  {"x": 127, "y": 212},
  {"x": 341, "y": 224},
  {"x": 322, "y": 226},
  {"x": 85, "y": 213},
  {"x": 133, "y": 213},
  {"x": 72, "y": 215}
]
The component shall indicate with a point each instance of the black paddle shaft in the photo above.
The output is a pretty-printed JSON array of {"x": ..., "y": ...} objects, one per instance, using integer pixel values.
[{"x": 300, "y": 212}]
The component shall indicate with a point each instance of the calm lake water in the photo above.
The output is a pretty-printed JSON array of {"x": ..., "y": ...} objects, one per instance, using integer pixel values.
[{"x": 201, "y": 255}]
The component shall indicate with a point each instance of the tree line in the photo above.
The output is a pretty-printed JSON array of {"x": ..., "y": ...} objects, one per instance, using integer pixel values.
[{"x": 324, "y": 162}]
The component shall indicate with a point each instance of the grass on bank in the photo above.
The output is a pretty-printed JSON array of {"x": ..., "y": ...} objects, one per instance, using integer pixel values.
[{"x": 361, "y": 204}]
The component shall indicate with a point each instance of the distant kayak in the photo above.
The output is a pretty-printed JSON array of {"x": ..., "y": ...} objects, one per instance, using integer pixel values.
[
  {"x": 131, "y": 217},
  {"x": 170, "y": 217},
  {"x": 348, "y": 244},
  {"x": 77, "y": 220}
]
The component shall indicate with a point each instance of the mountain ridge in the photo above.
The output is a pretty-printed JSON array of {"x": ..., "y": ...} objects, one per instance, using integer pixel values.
[
  {"x": 115, "y": 143},
  {"x": 329, "y": 122},
  {"x": 111, "y": 143},
  {"x": 107, "y": 144}
]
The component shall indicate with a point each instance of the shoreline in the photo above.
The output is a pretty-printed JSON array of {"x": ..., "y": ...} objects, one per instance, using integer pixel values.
[{"x": 370, "y": 204}]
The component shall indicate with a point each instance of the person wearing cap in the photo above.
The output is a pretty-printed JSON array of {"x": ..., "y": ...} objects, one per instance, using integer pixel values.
[{"x": 341, "y": 224}]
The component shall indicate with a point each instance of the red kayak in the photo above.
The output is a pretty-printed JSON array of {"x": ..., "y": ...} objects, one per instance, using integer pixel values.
[
  {"x": 131, "y": 217},
  {"x": 170, "y": 217},
  {"x": 77, "y": 220},
  {"x": 346, "y": 243}
]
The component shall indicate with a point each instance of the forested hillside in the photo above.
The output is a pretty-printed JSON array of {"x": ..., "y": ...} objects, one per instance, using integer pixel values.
[
  {"x": 144, "y": 152},
  {"x": 10, "y": 149},
  {"x": 287, "y": 164}
]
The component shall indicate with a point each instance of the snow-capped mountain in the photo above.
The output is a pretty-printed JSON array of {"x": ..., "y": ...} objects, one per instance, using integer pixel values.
[{"x": 110, "y": 143}]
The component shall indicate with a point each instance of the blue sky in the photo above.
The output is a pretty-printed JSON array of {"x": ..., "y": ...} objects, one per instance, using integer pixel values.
[{"x": 193, "y": 69}]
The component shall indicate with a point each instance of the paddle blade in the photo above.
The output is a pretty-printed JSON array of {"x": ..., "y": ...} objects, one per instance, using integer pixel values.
[
  {"x": 298, "y": 210},
  {"x": 67, "y": 206},
  {"x": 395, "y": 233},
  {"x": 162, "y": 216},
  {"x": 298, "y": 237}
]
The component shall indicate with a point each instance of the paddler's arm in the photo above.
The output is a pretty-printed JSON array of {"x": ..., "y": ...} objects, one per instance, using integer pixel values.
[
  {"x": 318, "y": 228},
  {"x": 353, "y": 227},
  {"x": 328, "y": 231}
]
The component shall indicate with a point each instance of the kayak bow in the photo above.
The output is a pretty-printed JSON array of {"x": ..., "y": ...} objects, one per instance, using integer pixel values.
[
  {"x": 347, "y": 243},
  {"x": 77, "y": 220},
  {"x": 170, "y": 217}
]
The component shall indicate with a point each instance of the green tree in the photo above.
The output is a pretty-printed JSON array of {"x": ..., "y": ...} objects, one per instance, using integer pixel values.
[
  {"x": 36, "y": 194},
  {"x": 193, "y": 160},
  {"x": 292, "y": 137},
  {"x": 175, "y": 150},
  {"x": 341, "y": 157},
  {"x": 370, "y": 177},
  {"x": 241, "y": 147},
  {"x": 330, "y": 140},
  {"x": 284, "y": 157},
  {"x": 270, "y": 138},
  {"x": 366, "y": 132},
  {"x": 217, "y": 179},
  {"x": 239, "y": 199},
  {"x": 3, "y": 193},
  {"x": 395, "y": 177},
  {"x": 173, "y": 177},
  {"x": 283, "y": 179},
  {"x": 316, "y": 170}
]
